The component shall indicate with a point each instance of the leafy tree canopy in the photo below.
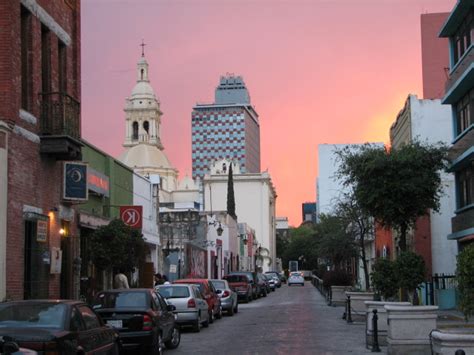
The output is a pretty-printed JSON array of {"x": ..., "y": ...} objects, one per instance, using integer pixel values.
[
  {"x": 301, "y": 242},
  {"x": 116, "y": 246},
  {"x": 395, "y": 186},
  {"x": 465, "y": 277}
]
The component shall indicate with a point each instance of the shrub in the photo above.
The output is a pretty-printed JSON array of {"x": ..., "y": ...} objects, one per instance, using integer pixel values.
[
  {"x": 410, "y": 269},
  {"x": 336, "y": 278},
  {"x": 465, "y": 277},
  {"x": 384, "y": 278}
]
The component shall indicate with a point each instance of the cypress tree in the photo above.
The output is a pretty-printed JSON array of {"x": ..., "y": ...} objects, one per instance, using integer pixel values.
[{"x": 230, "y": 194}]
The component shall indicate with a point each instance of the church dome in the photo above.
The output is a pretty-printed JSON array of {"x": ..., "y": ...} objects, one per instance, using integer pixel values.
[
  {"x": 187, "y": 184},
  {"x": 145, "y": 155},
  {"x": 143, "y": 90}
]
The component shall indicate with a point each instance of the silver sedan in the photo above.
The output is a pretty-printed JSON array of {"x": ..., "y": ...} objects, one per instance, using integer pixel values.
[
  {"x": 191, "y": 307},
  {"x": 295, "y": 279}
]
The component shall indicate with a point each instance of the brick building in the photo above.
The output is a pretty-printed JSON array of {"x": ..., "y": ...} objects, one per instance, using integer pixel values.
[{"x": 39, "y": 131}]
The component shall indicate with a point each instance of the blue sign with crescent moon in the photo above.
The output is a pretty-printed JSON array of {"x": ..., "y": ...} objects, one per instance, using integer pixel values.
[{"x": 75, "y": 181}]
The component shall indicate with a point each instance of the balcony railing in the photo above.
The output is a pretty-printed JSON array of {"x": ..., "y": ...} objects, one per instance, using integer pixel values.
[{"x": 60, "y": 115}]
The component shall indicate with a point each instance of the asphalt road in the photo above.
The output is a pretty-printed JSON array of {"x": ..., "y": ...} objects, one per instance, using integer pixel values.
[{"x": 292, "y": 320}]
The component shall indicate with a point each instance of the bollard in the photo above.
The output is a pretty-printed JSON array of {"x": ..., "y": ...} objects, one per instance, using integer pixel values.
[
  {"x": 460, "y": 352},
  {"x": 349, "y": 315},
  {"x": 375, "y": 345}
]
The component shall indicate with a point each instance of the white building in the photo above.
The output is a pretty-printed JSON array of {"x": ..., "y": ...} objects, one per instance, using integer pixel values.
[
  {"x": 255, "y": 199},
  {"x": 330, "y": 191},
  {"x": 428, "y": 121}
]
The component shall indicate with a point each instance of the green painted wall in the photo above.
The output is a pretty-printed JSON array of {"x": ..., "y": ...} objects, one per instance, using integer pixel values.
[{"x": 120, "y": 183}]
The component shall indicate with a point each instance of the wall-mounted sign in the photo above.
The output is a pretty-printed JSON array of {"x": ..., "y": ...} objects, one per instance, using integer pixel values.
[
  {"x": 41, "y": 231},
  {"x": 75, "y": 181},
  {"x": 56, "y": 260},
  {"x": 132, "y": 216},
  {"x": 97, "y": 182}
]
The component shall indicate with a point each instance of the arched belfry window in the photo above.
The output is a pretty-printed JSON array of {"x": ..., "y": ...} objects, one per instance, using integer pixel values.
[
  {"x": 146, "y": 126},
  {"x": 141, "y": 73},
  {"x": 135, "y": 131}
]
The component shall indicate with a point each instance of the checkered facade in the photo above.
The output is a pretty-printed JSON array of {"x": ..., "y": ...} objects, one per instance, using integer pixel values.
[{"x": 224, "y": 132}]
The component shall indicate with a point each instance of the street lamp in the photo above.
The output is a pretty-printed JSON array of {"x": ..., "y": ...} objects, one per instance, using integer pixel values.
[{"x": 219, "y": 228}]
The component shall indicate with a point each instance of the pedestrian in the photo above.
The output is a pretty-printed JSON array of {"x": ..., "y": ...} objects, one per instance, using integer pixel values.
[
  {"x": 159, "y": 279},
  {"x": 165, "y": 278},
  {"x": 120, "y": 280}
]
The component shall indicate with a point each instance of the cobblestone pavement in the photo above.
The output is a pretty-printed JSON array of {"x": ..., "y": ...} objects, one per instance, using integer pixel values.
[{"x": 292, "y": 320}]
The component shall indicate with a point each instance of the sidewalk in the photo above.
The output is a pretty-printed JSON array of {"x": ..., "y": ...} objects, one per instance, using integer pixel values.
[{"x": 338, "y": 337}]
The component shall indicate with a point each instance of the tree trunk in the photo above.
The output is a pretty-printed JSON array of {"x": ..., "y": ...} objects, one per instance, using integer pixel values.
[
  {"x": 403, "y": 237},
  {"x": 364, "y": 263}
]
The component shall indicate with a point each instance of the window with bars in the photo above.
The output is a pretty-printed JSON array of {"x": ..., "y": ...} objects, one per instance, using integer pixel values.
[
  {"x": 466, "y": 187},
  {"x": 465, "y": 112}
]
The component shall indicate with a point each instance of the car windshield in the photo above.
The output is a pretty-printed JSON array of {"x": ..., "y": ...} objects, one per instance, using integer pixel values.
[
  {"x": 121, "y": 300},
  {"x": 39, "y": 315},
  {"x": 220, "y": 285},
  {"x": 236, "y": 278},
  {"x": 173, "y": 291}
]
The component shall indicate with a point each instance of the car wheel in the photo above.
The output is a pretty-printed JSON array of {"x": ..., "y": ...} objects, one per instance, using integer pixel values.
[
  {"x": 219, "y": 314},
  {"x": 247, "y": 299},
  {"x": 174, "y": 340},
  {"x": 236, "y": 309},
  {"x": 197, "y": 326},
  {"x": 211, "y": 317},
  {"x": 231, "y": 310},
  {"x": 205, "y": 324},
  {"x": 157, "y": 345}
]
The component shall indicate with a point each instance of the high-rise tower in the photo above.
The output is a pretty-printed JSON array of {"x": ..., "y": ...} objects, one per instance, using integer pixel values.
[{"x": 228, "y": 128}]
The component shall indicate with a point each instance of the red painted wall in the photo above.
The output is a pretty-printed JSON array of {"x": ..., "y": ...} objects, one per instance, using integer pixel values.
[{"x": 434, "y": 55}]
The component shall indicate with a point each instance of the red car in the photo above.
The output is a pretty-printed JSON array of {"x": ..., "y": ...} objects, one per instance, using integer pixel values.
[
  {"x": 241, "y": 285},
  {"x": 210, "y": 295}
]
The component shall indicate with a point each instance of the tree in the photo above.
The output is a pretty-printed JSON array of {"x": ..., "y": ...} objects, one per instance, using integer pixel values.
[
  {"x": 116, "y": 246},
  {"x": 302, "y": 241},
  {"x": 395, "y": 186},
  {"x": 334, "y": 243},
  {"x": 359, "y": 225},
  {"x": 230, "y": 194},
  {"x": 465, "y": 278}
]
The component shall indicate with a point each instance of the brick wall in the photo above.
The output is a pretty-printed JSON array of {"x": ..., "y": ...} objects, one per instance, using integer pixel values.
[{"x": 33, "y": 179}]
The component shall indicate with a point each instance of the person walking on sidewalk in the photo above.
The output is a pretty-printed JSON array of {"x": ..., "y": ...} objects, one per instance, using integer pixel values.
[{"x": 120, "y": 280}]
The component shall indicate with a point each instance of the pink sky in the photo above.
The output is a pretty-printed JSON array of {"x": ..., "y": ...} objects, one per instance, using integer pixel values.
[{"x": 318, "y": 71}]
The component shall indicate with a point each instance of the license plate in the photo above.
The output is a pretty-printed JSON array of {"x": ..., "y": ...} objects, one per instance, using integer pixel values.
[{"x": 115, "y": 323}]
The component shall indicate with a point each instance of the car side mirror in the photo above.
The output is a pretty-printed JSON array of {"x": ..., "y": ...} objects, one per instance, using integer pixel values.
[
  {"x": 251, "y": 282},
  {"x": 171, "y": 307},
  {"x": 218, "y": 292}
]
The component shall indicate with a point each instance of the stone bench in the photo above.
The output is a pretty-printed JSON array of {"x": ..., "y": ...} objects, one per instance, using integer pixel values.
[{"x": 448, "y": 341}]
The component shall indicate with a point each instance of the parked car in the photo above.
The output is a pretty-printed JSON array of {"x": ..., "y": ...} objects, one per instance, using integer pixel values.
[
  {"x": 277, "y": 277},
  {"x": 271, "y": 282},
  {"x": 241, "y": 285},
  {"x": 8, "y": 346},
  {"x": 56, "y": 326},
  {"x": 263, "y": 284},
  {"x": 210, "y": 295},
  {"x": 228, "y": 297},
  {"x": 295, "y": 279},
  {"x": 252, "y": 277},
  {"x": 142, "y": 317},
  {"x": 191, "y": 307}
]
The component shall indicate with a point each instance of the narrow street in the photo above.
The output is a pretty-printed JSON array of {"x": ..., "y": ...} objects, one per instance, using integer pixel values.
[{"x": 292, "y": 320}]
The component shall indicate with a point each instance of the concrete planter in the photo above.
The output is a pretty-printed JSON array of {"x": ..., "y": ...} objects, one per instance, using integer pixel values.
[
  {"x": 357, "y": 301},
  {"x": 448, "y": 341},
  {"x": 338, "y": 296},
  {"x": 382, "y": 323},
  {"x": 409, "y": 329}
]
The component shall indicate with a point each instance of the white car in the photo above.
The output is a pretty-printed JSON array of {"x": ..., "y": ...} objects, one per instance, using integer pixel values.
[{"x": 295, "y": 279}]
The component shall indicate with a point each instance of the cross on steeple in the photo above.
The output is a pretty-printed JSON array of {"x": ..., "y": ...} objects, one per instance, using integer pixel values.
[{"x": 143, "y": 48}]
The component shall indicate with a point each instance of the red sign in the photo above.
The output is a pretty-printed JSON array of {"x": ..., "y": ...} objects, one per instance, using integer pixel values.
[{"x": 132, "y": 216}]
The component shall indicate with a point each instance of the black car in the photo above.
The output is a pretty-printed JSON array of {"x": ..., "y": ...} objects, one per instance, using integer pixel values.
[
  {"x": 57, "y": 327},
  {"x": 263, "y": 284},
  {"x": 143, "y": 318}
]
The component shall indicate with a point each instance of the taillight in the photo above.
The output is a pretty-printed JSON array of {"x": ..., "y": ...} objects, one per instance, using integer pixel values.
[
  {"x": 192, "y": 303},
  {"x": 226, "y": 294},
  {"x": 147, "y": 323}
]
